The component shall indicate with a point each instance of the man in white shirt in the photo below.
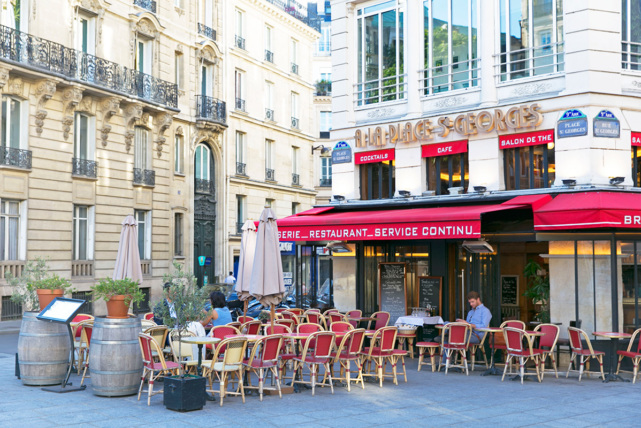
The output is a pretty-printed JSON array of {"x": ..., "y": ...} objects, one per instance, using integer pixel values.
[{"x": 230, "y": 279}]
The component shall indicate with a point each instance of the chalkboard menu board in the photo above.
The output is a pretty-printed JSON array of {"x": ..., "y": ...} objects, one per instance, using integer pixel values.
[
  {"x": 429, "y": 293},
  {"x": 510, "y": 290},
  {"x": 392, "y": 293}
]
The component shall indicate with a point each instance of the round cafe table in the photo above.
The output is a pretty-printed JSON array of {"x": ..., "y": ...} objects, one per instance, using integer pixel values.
[
  {"x": 200, "y": 341},
  {"x": 614, "y": 345},
  {"x": 492, "y": 370}
]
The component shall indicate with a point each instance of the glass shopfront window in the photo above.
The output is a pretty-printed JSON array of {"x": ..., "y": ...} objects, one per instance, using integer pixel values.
[
  {"x": 444, "y": 172},
  {"x": 377, "y": 180},
  {"x": 631, "y": 34},
  {"x": 531, "y": 167}
]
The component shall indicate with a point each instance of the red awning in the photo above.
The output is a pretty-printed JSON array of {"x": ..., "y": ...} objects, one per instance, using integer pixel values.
[
  {"x": 590, "y": 210},
  {"x": 462, "y": 222}
]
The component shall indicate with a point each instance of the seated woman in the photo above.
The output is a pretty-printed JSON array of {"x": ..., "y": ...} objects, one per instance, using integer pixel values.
[{"x": 220, "y": 314}]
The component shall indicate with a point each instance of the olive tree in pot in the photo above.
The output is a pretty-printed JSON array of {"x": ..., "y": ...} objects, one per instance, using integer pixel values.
[
  {"x": 183, "y": 392},
  {"x": 35, "y": 288},
  {"x": 118, "y": 294},
  {"x": 538, "y": 290}
]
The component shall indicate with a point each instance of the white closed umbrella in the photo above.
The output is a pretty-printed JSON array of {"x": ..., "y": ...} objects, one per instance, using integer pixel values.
[
  {"x": 267, "y": 283},
  {"x": 128, "y": 258},
  {"x": 246, "y": 262}
]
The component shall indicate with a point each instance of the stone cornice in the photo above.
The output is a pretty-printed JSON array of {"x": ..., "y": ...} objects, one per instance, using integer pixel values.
[{"x": 286, "y": 18}]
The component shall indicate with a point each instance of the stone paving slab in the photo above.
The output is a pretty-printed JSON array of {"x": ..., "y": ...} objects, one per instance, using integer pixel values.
[{"x": 427, "y": 399}]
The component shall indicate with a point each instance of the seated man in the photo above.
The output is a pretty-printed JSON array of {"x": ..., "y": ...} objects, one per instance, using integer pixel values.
[{"x": 478, "y": 317}]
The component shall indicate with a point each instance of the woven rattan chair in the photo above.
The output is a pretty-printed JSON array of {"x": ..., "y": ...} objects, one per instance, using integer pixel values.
[
  {"x": 514, "y": 339},
  {"x": 633, "y": 354},
  {"x": 188, "y": 359},
  {"x": 85, "y": 342},
  {"x": 458, "y": 336},
  {"x": 264, "y": 356},
  {"x": 381, "y": 319},
  {"x": 379, "y": 352},
  {"x": 547, "y": 345},
  {"x": 243, "y": 319},
  {"x": 231, "y": 363},
  {"x": 251, "y": 327},
  {"x": 584, "y": 355},
  {"x": 314, "y": 357},
  {"x": 348, "y": 351},
  {"x": 153, "y": 370}
]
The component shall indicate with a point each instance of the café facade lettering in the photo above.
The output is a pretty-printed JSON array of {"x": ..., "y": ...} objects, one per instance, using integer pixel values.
[{"x": 466, "y": 124}]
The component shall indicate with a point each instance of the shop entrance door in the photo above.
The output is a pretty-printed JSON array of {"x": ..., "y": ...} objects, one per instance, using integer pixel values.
[
  {"x": 315, "y": 286},
  {"x": 477, "y": 272}
]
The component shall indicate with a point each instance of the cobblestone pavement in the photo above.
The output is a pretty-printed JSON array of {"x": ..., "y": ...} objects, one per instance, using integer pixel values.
[{"x": 427, "y": 399}]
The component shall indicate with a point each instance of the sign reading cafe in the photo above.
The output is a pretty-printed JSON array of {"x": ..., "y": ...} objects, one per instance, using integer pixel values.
[{"x": 524, "y": 116}]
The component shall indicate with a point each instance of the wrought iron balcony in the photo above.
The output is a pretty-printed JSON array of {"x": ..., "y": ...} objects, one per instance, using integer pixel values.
[
  {"x": 144, "y": 177},
  {"x": 295, "y": 122},
  {"x": 150, "y": 5},
  {"x": 211, "y": 109},
  {"x": 240, "y": 42},
  {"x": 294, "y": 68},
  {"x": 269, "y": 56},
  {"x": 206, "y": 31},
  {"x": 240, "y": 169},
  {"x": 240, "y": 104},
  {"x": 323, "y": 89},
  {"x": 269, "y": 114},
  {"x": 326, "y": 182},
  {"x": 84, "y": 168},
  {"x": 270, "y": 174},
  {"x": 45, "y": 55},
  {"x": 239, "y": 228},
  {"x": 204, "y": 186},
  {"x": 295, "y": 179},
  {"x": 15, "y": 157}
]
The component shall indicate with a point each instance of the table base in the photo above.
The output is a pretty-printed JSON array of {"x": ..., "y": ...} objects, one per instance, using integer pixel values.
[
  {"x": 492, "y": 371},
  {"x": 614, "y": 377}
]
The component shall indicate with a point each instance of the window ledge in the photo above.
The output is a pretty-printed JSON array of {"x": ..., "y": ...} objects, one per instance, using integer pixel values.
[
  {"x": 15, "y": 168},
  {"x": 180, "y": 174},
  {"x": 375, "y": 106},
  {"x": 531, "y": 79},
  {"x": 144, "y": 185},
  {"x": 179, "y": 257},
  {"x": 83, "y": 177}
]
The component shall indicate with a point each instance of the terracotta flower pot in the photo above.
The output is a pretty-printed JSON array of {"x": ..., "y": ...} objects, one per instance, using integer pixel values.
[
  {"x": 116, "y": 306},
  {"x": 46, "y": 296}
]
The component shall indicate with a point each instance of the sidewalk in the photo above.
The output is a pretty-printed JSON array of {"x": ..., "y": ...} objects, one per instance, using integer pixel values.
[
  {"x": 427, "y": 399},
  {"x": 10, "y": 327}
]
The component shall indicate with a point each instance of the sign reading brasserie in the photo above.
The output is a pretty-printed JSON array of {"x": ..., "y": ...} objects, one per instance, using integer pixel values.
[{"x": 524, "y": 116}]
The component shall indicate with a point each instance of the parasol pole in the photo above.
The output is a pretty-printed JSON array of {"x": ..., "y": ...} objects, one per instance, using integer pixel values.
[
  {"x": 273, "y": 315},
  {"x": 244, "y": 308}
]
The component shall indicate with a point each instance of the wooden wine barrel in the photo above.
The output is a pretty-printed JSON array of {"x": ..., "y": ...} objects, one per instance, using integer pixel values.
[
  {"x": 44, "y": 349},
  {"x": 115, "y": 361}
]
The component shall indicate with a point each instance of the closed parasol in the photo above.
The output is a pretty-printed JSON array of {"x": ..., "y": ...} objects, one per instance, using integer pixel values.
[
  {"x": 246, "y": 262},
  {"x": 128, "y": 258}
]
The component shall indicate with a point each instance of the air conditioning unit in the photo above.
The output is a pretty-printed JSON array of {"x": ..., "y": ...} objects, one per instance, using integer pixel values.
[{"x": 478, "y": 247}]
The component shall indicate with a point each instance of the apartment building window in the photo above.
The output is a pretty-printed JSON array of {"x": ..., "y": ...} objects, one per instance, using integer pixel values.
[
  {"x": 294, "y": 57},
  {"x": 179, "y": 154},
  {"x": 240, "y": 29},
  {"x": 85, "y": 42},
  {"x": 530, "y": 167},
  {"x": 269, "y": 53},
  {"x": 630, "y": 34},
  {"x": 295, "y": 161},
  {"x": 295, "y": 208},
  {"x": 380, "y": 54},
  {"x": 178, "y": 234},
  {"x": 83, "y": 150},
  {"x": 323, "y": 45},
  {"x": 144, "y": 233},
  {"x": 241, "y": 216},
  {"x": 444, "y": 172},
  {"x": 295, "y": 113},
  {"x": 325, "y": 123},
  {"x": 326, "y": 172},
  {"x": 9, "y": 229},
  {"x": 142, "y": 151},
  {"x": 241, "y": 138},
  {"x": 377, "y": 180},
  {"x": 636, "y": 159},
  {"x": 143, "y": 56},
  {"x": 12, "y": 122},
  {"x": 202, "y": 166},
  {"x": 450, "y": 45},
  {"x": 178, "y": 69},
  {"x": 83, "y": 230},
  {"x": 18, "y": 15},
  {"x": 531, "y": 38},
  {"x": 239, "y": 90},
  {"x": 270, "y": 174},
  {"x": 207, "y": 80},
  {"x": 269, "y": 101}
]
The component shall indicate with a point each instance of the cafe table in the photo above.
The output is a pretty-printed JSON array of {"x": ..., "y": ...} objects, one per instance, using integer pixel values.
[
  {"x": 200, "y": 341},
  {"x": 614, "y": 345},
  {"x": 492, "y": 370}
]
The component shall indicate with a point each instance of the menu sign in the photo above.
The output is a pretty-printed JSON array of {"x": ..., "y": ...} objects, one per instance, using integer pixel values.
[
  {"x": 392, "y": 293},
  {"x": 429, "y": 293},
  {"x": 509, "y": 290}
]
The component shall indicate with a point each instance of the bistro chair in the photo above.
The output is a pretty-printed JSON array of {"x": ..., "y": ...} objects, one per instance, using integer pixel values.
[
  {"x": 315, "y": 357},
  {"x": 474, "y": 347},
  {"x": 153, "y": 370},
  {"x": 634, "y": 355},
  {"x": 159, "y": 333},
  {"x": 576, "y": 345},
  {"x": 500, "y": 343},
  {"x": 235, "y": 324},
  {"x": 251, "y": 327},
  {"x": 287, "y": 352},
  {"x": 184, "y": 353},
  {"x": 147, "y": 324},
  {"x": 458, "y": 336},
  {"x": 380, "y": 353},
  {"x": 231, "y": 362},
  {"x": 347, "y": 351},
  {"x": 547, "y": 345},
  {"x": 381, "y": 319},
  {"x": 340, "y": 327},
  {"x": 219, "y": 332},
  {"x": 264, "y": 356},
  {"x": 356, "y": 313},
  {"x": 308, "y": 328},
  {"x": 80, "y": 343},
  {"x": 296, "y": 311},
  {"x": 243, "y": 319},
  {"x": 288, "y": 315},
  {"x": 398, "y": 354},
  {"x": 335, "y": 317},
  {"x": 148, "y": 316},
  {"x": 431, "y": 348},
  {"x": 514, "y": 338},
  {"x": 316, "y": 318},
  {"x": 289, "y": 323},
  {"x": 85, "y": 341}
]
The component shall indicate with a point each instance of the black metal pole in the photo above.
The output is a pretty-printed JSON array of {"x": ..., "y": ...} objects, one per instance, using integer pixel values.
[
  {"x": 576, "y": 281},
  {"x": 614, "y": 283}
]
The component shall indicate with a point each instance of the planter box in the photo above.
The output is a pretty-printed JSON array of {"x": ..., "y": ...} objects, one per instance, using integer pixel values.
[{"x": 184, "y": 394}]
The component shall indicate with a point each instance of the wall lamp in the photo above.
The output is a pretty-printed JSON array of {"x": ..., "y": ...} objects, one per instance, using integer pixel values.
[
  {"x": 405, "y": 193},
  {"x": 480, "y": 189},
  {"x": 324, "y": 151},
  {"x": 615, "y": 181},
  {"x": 339, "y": 198},
  {"x": 570, "y": 182}
]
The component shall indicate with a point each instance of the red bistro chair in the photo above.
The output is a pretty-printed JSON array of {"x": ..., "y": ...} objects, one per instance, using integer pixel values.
[
  {"x": 296, "y": 311},
  {"x": 289, "y": 323},
  {"x": 315, "y": 318},
  {"x": 251, "y": 327},
  {"x": 381, "y": 319},
  {"x": 547, "y": 345},
  {"x": 287, "y": 349},
  {"x": 308, "y": 328},
  {"x": 314, "y": 357},
  {"x": 336, "y": 317},
  {"x": 634, "y": 355},
  {"x": 220, "y": 332},
  {"x": 458, "y": 336},
  {"x": 151, "y": 369},
  {"x": 514, "y": 338},
  {"x": 583, "y": 354},
  {"x": 264, "y": 356},
  {"x": 243, "y": 319},
  {"x": 85, "y": 342},
  {"x": 356, "y": 313},
  {"x": 340, "y": 327},
  {"x": 379, "y": 352},
  {"x": 149, "y": 316},
  {"x": 349, "y": 350}
]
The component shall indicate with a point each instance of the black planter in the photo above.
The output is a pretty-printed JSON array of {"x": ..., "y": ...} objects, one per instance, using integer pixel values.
[{"x": 184, "y": 394}]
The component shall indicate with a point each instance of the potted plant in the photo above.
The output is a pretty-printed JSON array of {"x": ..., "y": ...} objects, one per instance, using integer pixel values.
[
  {"x": 35, "y": 288},
  {"x": 118, "y": 293},
  {"x": 538, "y": 290},
  {"x": 183, "y": 392}
]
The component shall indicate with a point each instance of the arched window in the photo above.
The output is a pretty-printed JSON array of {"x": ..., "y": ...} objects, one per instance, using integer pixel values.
[{"x": 202, "y": 162}]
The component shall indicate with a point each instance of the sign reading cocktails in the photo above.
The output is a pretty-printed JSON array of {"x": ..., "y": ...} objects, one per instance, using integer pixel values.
[{"x": 515, "y": 118}]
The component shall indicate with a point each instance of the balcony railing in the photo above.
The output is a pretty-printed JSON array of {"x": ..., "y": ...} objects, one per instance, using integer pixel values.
[
  {"x": 450, "y": 77},
  {"x": 381, "y": 90},
  {"x": 631, "y": 56},
  {"x": 240, "y": 104},
  {"x": 323, "y": 89},
  {"x": 145, "y": 265},
  {"x": 270, "y": 174},
  {"x": 295, "y": 179},
  {"x": 144, "y": 177},
  {"x": 54, "y": 58},
  {"x": 240, "y": 42},
  {"x": 269, "y": 114},
  {"x": 17, "y": 158},
  {"x": 295, "y": 122},
  {"x": 14, "y": 267},
  {"x": 150, "y": 5},
  {"x": 10, "y": 309},
  {"x": 294, "y": 68},
  {"x": 240, "y": 168},
  {"x": 530, "y": 62},
  {"x": 206, "y": 31},
  {"x": 211, "y": 109},
  {"x": 84, "y": 168},
  {"x": 326, "y": 182},
  {"x": 204, "y": 186},
  {"x": 82, "y": 268},
  {"x": 269, "y": 56}
]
